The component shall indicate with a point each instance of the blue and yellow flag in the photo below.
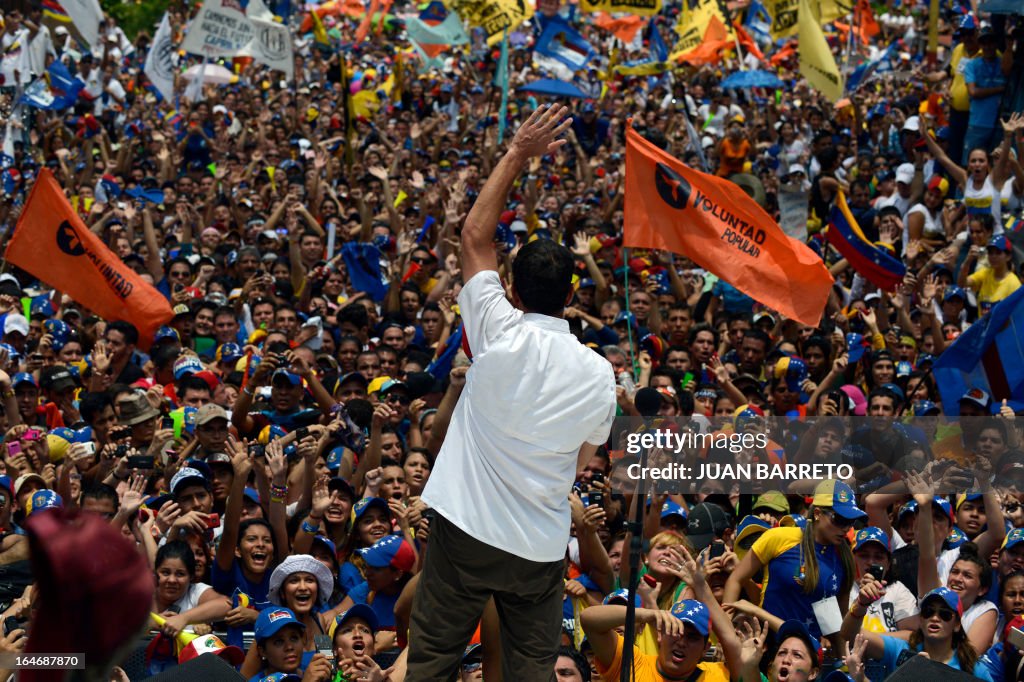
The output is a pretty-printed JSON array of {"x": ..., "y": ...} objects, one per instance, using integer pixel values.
[{"x": 873, "y": 262}]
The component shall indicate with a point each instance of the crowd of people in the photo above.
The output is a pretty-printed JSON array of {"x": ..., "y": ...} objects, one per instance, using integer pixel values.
[{"x": 267, "y": 448}]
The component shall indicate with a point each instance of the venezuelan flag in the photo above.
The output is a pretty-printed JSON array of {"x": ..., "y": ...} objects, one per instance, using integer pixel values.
[
  {"x": 53, "y": 10},
  {"x": 873, "y": 262}
]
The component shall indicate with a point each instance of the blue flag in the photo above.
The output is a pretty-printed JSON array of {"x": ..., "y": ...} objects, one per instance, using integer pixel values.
[
  {"x": 866, "y": 70},
  {"x": 659, "y": 51},
  {"x": 758, "y": 22},
  {"x": 54, "y": 91},
  {"x": 562, "y": 42},
  {"x": 989, "y": 356},
  {"x": 425, "y": 230},
  {"x": 363, "y": 263},
  {"x": 153, "y": 196},
  {"x": 442, "y": 364}
]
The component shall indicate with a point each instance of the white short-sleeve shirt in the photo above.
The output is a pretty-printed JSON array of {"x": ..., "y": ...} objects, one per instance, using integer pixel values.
[{"x": 533, "y": 395}]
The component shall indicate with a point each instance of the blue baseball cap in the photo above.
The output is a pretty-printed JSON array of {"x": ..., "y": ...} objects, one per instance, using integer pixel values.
[
  {"x": 185, "y": 365},
  {"x": 840, "y": 498},
  {"x": 954, "y": 292},
  {"x": 951, "y": 599},
  {"x": 23, "y": 378},
  {"x": 228, "y": 352},
  {"x": 1000, "y": 242},
  {"x": 42, "y": 500},
  {"x": 962, "y": 497},
  {"x": 366, "y": 503},
  {"x": 362, "y": 611},
  {"x": 1013, "y": 538},
  {"x": 293, "y": 379},
  {"x": 188, "y": 476},
  {"x": 695, "y": 613},
  {"x": 895, "y": 390},
  {"x": 796, "y": 628},
  {"x": 390, "y": 551},
  {"x": 908, "y": 508},
  {"x": 625, "y": 316},
  {"x": 333, "y": 458},
  {"x": 326, "y": 542},
  {"x": 670, "y": 508},
  {"x": 855, "y": 346},
  {"x": 871, "y": 534},
  {"x": 747, "y": 532},
  {"x": 621, "y": 597},
  {"x": 166, "y": 333},
  {"x": 925, "y": 408},
  {"x": 271, "y": 620},
  {"x": 252, "y": 495},
  {"x": 967, "y": 23},
  {"x": 955, "y": 538}
]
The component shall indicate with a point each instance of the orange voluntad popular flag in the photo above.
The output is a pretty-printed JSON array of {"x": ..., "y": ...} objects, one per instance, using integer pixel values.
[
  {"x": 52, "y": 243},
  {"x": 714, "y": 223}
]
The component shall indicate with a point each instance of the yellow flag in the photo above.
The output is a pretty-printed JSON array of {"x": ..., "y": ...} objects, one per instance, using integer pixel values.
[
  {"x": 784, "y": 17},
  {"x": 816, "y": 61},
  {"x": 693, "y": 23},
  {"x": 494, "y": 16},
  {"x": 643, "y": 8},
  {"x": 319, "y": 32},
  {"x": 828, "y": 11},
  {"x": 365, "y": 103}
]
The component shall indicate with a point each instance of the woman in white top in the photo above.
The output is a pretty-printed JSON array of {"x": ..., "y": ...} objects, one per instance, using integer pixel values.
[
  {"x": 981, "y": 182},
  {"x": 178, "y": 598},
  {"x": 924, "y": 221}
]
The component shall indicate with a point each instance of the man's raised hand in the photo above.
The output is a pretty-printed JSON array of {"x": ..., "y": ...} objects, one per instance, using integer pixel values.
[{"x": 539, "y": 135}]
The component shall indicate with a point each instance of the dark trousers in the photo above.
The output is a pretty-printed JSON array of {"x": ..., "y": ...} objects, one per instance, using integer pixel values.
[{"x": 459, "y": 574}]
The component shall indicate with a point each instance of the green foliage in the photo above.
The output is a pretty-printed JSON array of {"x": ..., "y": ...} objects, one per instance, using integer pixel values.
[{"x": 135, "y": 16}]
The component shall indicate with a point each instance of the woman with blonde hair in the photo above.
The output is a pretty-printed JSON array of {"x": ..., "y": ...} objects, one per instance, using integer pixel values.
[{"x": 804, "y": 566}]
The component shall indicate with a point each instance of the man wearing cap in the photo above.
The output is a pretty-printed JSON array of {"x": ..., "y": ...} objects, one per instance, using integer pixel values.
[
  {"x": 211, "y": 431},
  {"x": 26, "y": 396},
  {"x": 683, "y": 634},
  {"x": 59, "y": 386},
  {"x": 535, "y": 407},
  {"x": 285, "y": 374}
]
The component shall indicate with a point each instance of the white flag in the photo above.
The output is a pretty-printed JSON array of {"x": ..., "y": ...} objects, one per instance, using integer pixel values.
[
  {"x": 272, "y": 41},
  {"x": 160, "y": 60},
  {"x": 223, "y": 29},
  {"x": 86, "y": 15}
]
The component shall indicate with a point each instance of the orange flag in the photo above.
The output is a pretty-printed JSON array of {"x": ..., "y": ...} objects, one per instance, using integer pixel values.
[
  {"x": 672, "y": 207},
  {"x": 624, "y": 28},
  {"x": 364, "y": 25},
  {"x": 716, "y": 39},
  {"x": 869, "y": 28},
  {"x": 52, "y": 243}
]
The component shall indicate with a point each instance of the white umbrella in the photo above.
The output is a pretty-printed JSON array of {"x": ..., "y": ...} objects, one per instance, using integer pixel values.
[{"x": 210, "y": 73}]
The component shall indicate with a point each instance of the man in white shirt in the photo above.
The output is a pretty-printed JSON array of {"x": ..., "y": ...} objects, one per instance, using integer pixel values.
[{"x": 536, "y": 404}]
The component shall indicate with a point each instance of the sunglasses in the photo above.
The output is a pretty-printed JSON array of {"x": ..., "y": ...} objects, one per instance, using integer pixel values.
[
  {"x": 421, "y": 261},
  {"x": 1011, "y": 508},
  {"x": 402, "y": 399},
  {"x": 929, "y": 610},
  {"x": 839, "y": 521}
]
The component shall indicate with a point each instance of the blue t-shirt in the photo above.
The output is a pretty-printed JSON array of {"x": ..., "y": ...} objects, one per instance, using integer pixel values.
[
  {"x": 984, "y": 73},
  {"x": 733, "y": 300},
  {"x": 225, "y": 582},
  {"x": 383, "y": 605},
  {"x": 898, "y": 651},
  {"x": 349, "y": 577}
]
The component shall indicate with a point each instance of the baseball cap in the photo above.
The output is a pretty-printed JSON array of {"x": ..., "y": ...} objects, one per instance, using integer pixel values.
[
  {"x": 270, "y": 621},
  {"x": 20, "y": 481},
  {"x": 925, "y": 408},
  {"x": 352, "y": 376},
  {"x": 621, "y": 597},
  {"x": 694, "y": 613},
  {"x": 793, "y": 370},
  {"x": 185, "y": 365},
  {"x": 366, "y": 503},
  {"x": 362, "y": 611},
  {"x": 670, "y": 508},
  {"x": 375, "y": 385},
  {"x": 166, "y": 333},
  {"x": 912, "y": 124},
  {"x": 905, "y": 171},
  {"x": 839, "y": 497},
  {"x": 908, "y": 508},
  {"x": 228, "y": 352},
  {"x": 855, "y": 346},
  {"x": 23, "y": 378},
  {"x": 796, "y": 628},
  {"x": 967, "y": 23},
  {"x": 391, "y": 385},
  {"x": 707, "y": 521},
  {"x": 293, "y": 379},
  {"x": 962, "y": 497},
  {"x": 793, "y": 521},
  {"x": 954, "y": 292},
  {"x": 188, "y": 476},
  {"x": 1013, "y": 538},
  {"x": 15, "y": 322},
  {"x": 749, "y": 529},
  {"x": 211, "y": 644},
  {"x": 943, "y": 504},
  {"x": 341, "y": 485},
  {"x": 977, "y": 396},
  {"x": 56, "y": 379},
  {"x": 773, "y": 500},
  {"x": 871, "y": 534},
  {"x": 951, "y": 599},
  {"x": 208, "y": 412},
  {"x": 42, "y": 500},
  {"x": 390, "y": 551},
  {"x": 625, "y": 317},
  {"x": 1000, "y": 242}
]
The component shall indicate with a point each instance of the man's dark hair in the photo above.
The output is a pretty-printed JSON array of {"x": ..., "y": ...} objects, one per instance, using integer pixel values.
[
  {"x": 174, "y": 261},
  {"x": 92, "y": 404},
  {"x": 163, "y": 356},
  {"x": 542, "y": 276},
  {"x": 386, "y": 462},
  {"x": 355, "y": 314},
  {"x": 578, "y": 659},
  {"x": 702, "y": 327},
  {"x": 758, "y": 335},
  {"x": 883, "y": 392},
  {"x": 100, "y": 491},
  {"x": 224, "y": 310},
  {"x": 127, "y": 329},
  {"x": 194, "y": 383},
  {"x": 819, "y": 342}
]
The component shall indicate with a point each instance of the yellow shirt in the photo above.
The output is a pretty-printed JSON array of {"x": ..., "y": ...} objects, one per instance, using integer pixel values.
[
  {"x": 959, "y": 99},
  {"x": 989, "y": 289},
  {"x": 645, "y": 668}
]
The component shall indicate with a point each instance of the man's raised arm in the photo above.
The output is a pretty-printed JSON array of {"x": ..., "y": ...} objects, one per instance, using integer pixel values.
[{"x": 536, "y": 137}]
